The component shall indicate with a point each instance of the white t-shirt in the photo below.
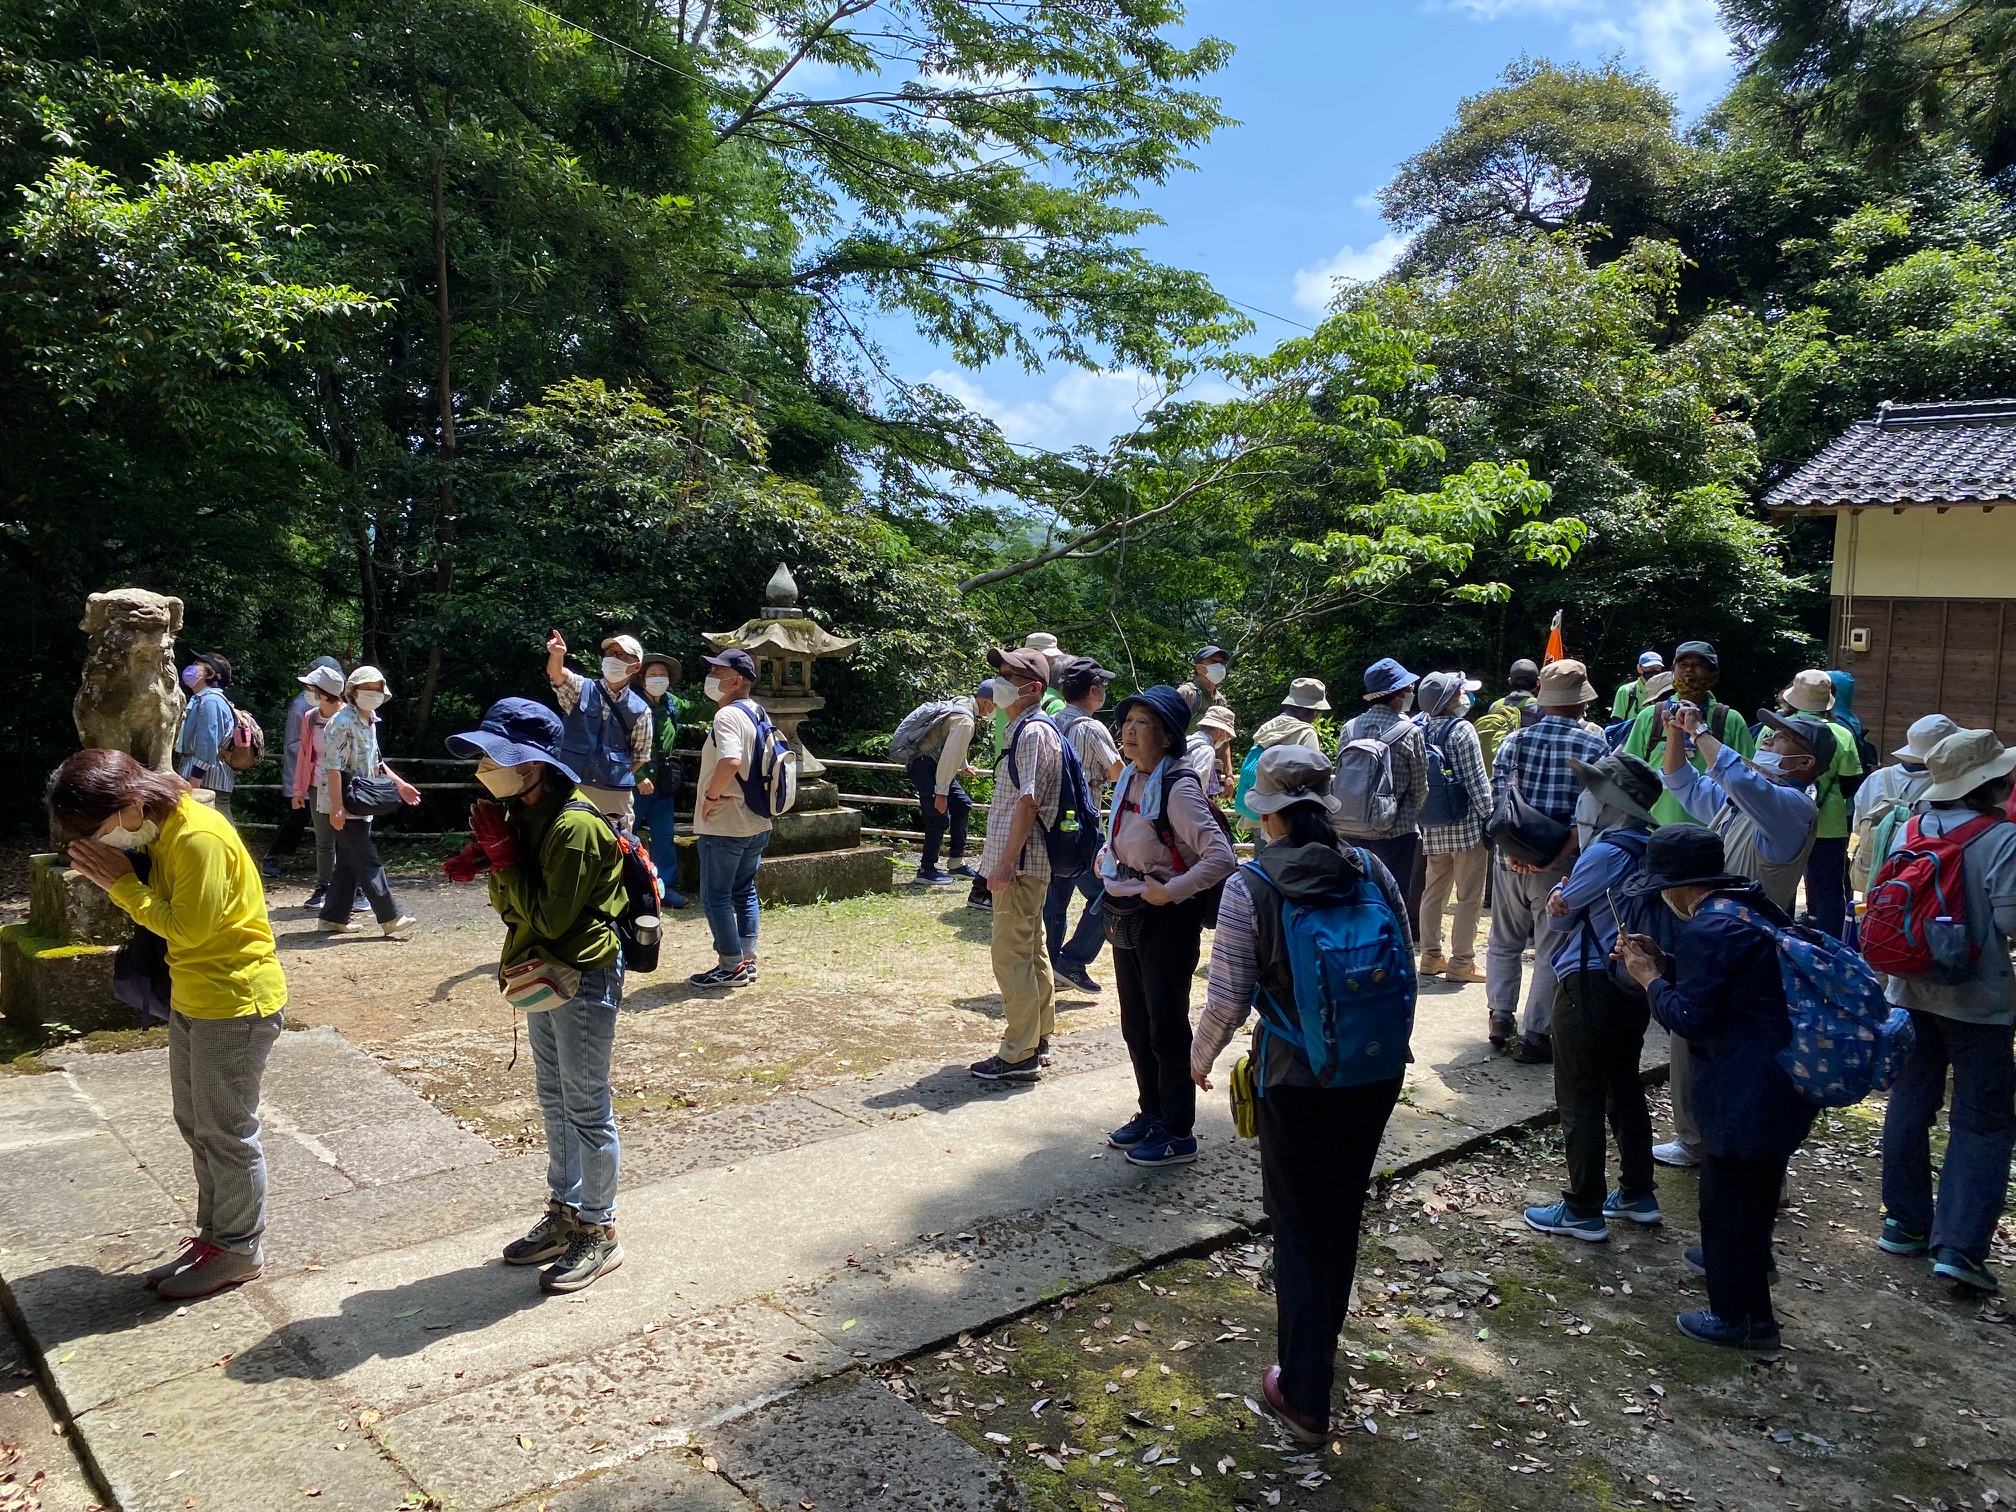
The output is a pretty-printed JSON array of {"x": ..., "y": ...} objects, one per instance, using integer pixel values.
[{"x": 731, "y": 738}]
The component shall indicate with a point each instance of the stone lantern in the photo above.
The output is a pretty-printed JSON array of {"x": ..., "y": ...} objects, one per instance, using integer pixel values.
[{"x": 815, "y": 851}]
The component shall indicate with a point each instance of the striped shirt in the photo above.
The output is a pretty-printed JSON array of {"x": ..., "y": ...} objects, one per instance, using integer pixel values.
[{"x": 1038, "y": 758}]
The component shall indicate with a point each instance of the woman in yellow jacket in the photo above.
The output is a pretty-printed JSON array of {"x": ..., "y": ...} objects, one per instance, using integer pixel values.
[{"x": 226, "y": 990}]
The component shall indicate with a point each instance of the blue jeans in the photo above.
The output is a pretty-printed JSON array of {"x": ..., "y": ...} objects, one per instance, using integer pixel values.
[
  {"x": 1975, "y": 1177},
  {"x": 571, "y": 1046},
  {"x": 728, "y": 892},
  {"x": 923, "y": 774},
  {"x": 658, "y": 815},
  {"x": 1827, "y": 885},
  {"x": 1082, "y": 949}
]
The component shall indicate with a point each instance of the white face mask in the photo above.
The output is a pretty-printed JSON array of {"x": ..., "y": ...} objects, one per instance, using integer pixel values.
[
  {"x": 1770, "y": 763},
  {"x": 656, "y": 686},
  {"x": 371, "y": 700},
  {"x": 615, "y": 670},
  {"x": 713, "y": 688},
  {"x": 121, "y": 838},
  {"x": 1464, "y": 705},
  {"x": 1407, "y": 701},
  {"x": 1214, "y": 673},
  {"x": 506, "y": 781}
]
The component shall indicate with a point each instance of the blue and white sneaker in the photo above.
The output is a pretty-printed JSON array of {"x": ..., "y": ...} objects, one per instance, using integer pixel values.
[
  {"x": 1643, "y": 1210},
  {"x": 1136, "y": 1130},
  {"x": 1165, "y": 1149},
  {"x": 1957, "y": 1268},
  {"x": 1559, "y": 1218},
  {"x": 1898, "y": 1240},
  {"x": 1709, "y": 1329}
]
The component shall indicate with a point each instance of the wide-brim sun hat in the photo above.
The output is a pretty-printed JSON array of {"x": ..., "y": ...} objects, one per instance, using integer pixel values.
[
  {"x": 1439, "y": 690},
  {"x": 674, "y": 668},
  {"x": 1613, "y": 780},
  {"x": 1810, "y": 692},
  {"x": 1286, "y": 775},
  {"x": 1923, "y": 735},
  {"x": 1684, "y": 855},
  {"x": 513, "y": 732},
  {"x": 1167, "y": 705},
  {"x": 324, "y": 680},
  {"x": 1220, "y": 717},
  {"x": 367, "y": 673},
  {"x": 1963, "y": 762},
  {"x": 1307, "y": 693},
  {"x": 1565, "y": 685}
]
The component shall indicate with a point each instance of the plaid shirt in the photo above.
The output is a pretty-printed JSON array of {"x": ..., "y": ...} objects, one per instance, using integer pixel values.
[
  {"x": 1039, "y": 762},
  {"x": 1457, "y": 738},
  {"x": 1537, "y": 757}
]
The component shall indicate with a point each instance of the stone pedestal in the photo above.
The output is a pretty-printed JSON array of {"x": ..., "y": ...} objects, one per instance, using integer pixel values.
[
  {"x": 815, "y": 852},
  {"x": 56, "y": 969}
]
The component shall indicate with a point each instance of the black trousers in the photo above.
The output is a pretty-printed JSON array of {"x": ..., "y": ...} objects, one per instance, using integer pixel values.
[
  {"x": 1154, "y": 985},
  {"x": 1317, "y": 1146},
  {"x": 1739, "y": 1204},
  {"x": 358, "y": 867},
  {"x": 923, "y": 774},
  {"x": 287, "y": 833},
  {"x": 1827, "y": 885},
  {"x": 1597, "y": 1040},
  {"x": 1409, "y": 864}
]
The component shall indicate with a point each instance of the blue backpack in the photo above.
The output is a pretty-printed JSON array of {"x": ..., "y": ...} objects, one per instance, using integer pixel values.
[
  {"x": 1353, "y": 1012},
  {"x": 1073, "y": 841},
  {"x": 1847, "y": 1041},
  {"x": 1448, "y": 800}
]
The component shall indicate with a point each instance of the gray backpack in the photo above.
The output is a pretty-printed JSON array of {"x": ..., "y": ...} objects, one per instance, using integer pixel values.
[
  {"x": 1363, "y": 784},
  {"x": 905, "y": 745}
]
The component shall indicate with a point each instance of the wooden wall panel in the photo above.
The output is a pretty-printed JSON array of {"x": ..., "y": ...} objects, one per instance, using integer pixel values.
[{"x": 1956, "y": 656}]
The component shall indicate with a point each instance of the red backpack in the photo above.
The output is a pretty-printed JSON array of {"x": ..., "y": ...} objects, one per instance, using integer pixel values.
[{"x": 1915, "y": 921}]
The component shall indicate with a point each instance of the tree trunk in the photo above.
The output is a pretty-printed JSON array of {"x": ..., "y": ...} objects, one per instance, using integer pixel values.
[{"x": 444, "y": 392}]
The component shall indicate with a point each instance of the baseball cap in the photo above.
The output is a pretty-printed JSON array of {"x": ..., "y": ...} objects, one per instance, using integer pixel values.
[{"x": 735, "y": 659}]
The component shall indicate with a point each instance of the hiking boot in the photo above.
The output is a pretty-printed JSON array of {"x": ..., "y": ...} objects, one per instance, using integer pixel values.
[
  {"x": 1433, "y": 963},
  {"x": 339, "y": 926},
  {"x": 210, "y": 1269},
  {"x": 547, "y": 1239},
  {"x": 1709, "y": 1329},
  {"x": 184, "y": 1257},
  {"x": 400, "y": 928},
  {"x": 932, "y": 877},
  {"x": 1559, "y": 1218},
  {"x": 1164, "y": 1149},
  {"x": 1076, "y": 975},
  {"x": 1899, "y": 1240},
  {"x": 1696, "y": 1260},
  {"x": 1463, "y": 969},
  {"x": 1502, "y": 1032},
  {"x": 1138, "y": 1129},
  {"x": 1534, "y": 1050},
  {"x": 1643, "y": 1210},
  {"x": 996, "y": 1069},
  {"x": 1301, "y": 1427},
  {"x": 737, "y": 975},
  {"x": 1962, "y": 1272},
  {"x": 1675, "y": 1154},
  {"x": 592, "y": 1252}
]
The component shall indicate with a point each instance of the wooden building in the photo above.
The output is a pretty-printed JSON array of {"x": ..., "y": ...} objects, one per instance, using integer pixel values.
[{"x": 1924, "y": 592}]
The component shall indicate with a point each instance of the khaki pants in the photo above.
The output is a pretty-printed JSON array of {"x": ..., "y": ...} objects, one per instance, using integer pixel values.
[
  {"x": 1462, "y": 872},
  {"x": 615, "y": 803},
  {"x": 1022, "y": 968},
  {"x": 1680, "y": 1081}
]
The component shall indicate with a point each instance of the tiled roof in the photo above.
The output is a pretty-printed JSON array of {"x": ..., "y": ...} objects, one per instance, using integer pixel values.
[{"x": 1950, "y": 452}]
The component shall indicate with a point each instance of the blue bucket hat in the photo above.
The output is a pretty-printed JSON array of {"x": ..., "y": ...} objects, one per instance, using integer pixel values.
[
  {"x": 515, "y": 731},
  {"x": 1385, "y": 677},
  {"x": 1166, "y": 704}
]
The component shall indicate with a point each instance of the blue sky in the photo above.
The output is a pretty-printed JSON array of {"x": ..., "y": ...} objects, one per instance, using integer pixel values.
[{"x": 1330, "y": 97}]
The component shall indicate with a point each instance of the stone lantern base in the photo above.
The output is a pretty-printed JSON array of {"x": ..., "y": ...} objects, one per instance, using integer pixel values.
[
  {"x": 815, "y": 852},
  {"x": 57, "y": 967}
]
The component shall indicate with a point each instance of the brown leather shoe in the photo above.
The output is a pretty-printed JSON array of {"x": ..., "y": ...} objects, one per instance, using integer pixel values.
[
  {"x": 1301, "y": 1427},
  {"x": 210, "y": 1270},
  {"x": 1463, "y": 969},
  {"x": 1434, "y": 963}
]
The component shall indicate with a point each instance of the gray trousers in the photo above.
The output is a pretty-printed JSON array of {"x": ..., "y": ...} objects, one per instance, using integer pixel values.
[
  {"x": 1518, "y": 922},
  {"x": 214, "y": 1070},
  {"x": 325, "y": 848},
  {"x": 1680, "y": 1080}
]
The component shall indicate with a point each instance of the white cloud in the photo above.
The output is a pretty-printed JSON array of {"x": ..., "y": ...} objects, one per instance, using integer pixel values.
[
  {"x": 1679, "y": 42},
  {"x": 1316, "y": 287},
  {"x": 1082, "y": 408}
]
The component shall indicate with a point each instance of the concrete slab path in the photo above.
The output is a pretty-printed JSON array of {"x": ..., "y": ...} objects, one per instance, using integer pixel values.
[{"x": 389, "y": 1359}]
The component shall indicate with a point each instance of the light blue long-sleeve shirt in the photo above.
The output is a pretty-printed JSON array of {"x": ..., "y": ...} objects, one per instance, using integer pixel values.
[
  {"x": 1598, "y": 872},
  {"x": 207, "y": 725},
  {"x": 1783, "y": 815}
]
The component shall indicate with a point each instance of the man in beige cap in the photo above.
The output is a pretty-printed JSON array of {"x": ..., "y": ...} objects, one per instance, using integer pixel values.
[
  {"x": 607, "y": 723},
  {"x": 1965, "y": 1027},
  {"x": 1538, "y": 761},
  {"x": 1028, "y": 785},
  {"x": 1812, "y": 692}
]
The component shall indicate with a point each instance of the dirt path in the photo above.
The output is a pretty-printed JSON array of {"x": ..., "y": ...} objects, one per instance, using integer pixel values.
[{"x": 1491, "y": 1367}]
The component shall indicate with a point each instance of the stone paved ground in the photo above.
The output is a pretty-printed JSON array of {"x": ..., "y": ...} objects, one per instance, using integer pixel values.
[{"x": 777, "y": 1247}]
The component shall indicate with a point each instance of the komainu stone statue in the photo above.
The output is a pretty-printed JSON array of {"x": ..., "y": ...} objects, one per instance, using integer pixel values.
[{"x": 130, "y": 700}]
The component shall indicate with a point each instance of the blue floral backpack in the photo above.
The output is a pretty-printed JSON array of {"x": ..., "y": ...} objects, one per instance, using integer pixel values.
[{"x": 1847, "y": 1041}]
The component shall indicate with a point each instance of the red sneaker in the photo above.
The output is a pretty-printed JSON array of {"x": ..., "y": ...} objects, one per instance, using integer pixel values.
[
  {"x": 1301, "y": 1427},
  {"x": 192, "y": 1249},
  {"x": 212, "y": 1271}
]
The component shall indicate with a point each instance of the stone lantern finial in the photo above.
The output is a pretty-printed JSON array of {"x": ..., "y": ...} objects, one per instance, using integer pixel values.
[{"x": 782, "y": 593}]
